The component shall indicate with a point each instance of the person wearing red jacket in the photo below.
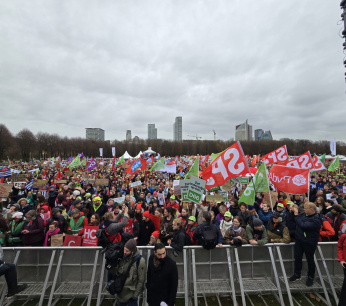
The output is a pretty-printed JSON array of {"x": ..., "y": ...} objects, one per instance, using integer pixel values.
[
  {"x": 342, "y": 258},
  {"x": 326, "y": 231}
]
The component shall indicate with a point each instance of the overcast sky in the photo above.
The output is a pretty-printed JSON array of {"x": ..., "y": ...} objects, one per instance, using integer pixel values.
[{"x": 118, "y": 65}]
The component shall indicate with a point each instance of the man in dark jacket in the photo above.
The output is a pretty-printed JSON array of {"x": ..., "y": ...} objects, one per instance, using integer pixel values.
[
  {"x": 98, "y": 208},
  {"x": 162, "y": 278},
  {"x": 146, "y": 228},
  {"x": 307, "y": 233},
  {"x": 58, "y": 217}
]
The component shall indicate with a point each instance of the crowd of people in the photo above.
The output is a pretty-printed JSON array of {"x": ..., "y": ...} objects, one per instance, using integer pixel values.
[{"x": 32, "y": 218}]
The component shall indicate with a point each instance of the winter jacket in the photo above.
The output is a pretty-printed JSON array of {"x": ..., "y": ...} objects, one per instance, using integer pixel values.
[
  {"x": 342, "y": 248},
  {"x": 162, "y": 282},
  {"x": 145, "y": 231},
  {"x": 290, "y": 222},
  {"x": 134, "y": 284},
  {"x": 336, "y": 223},
  {"x": 224, "y": 225},
  {"x": 230, "y": 233},
  {"x": 326, "y": 231},
  {"x": 244, "y": 218},
  {"x": 279, "y": 232},
  {"x": 308, "y": 228},
  {"x": 265, "y": 217},
  {"x": 178, "y": 239},
  {"x": 36, "y": 231},
  {"x": 101, "y": 210},
  {"x": 199, "y": 232},
  {"x": 117, "y": 226},
  {"x": 260, "y": 236}
]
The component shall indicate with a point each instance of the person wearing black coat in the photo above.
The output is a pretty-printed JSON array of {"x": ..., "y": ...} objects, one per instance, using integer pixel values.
[
  {"x": 162, "y": 278},
  {"x": 97, "y": 208},
  {"x": 178, "y": 239},
  {"x": 146, "y": 228},
  {"x": 289, "y": 218},
  {"x": 308, "y": 225}
]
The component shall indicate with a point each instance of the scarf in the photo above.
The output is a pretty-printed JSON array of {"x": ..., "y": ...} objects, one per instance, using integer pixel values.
[
  {"x": 96, "y": 207},
  {"x": 235, "y": 229},
  {"x": 56, "y": 231}
]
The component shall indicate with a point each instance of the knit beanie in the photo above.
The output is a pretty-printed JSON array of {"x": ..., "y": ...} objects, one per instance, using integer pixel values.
[
  {"x": 131, "y": 245},
  {"x": 257, "y": 222},
  {"x": 156, "y": 234}
]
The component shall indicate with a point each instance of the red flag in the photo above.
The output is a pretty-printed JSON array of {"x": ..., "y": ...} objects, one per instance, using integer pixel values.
[
  {"x": 71, "y": 240},
  {"x": 290, "y": 180},
  {"x": 318, "y": 165},
  {"x": 230, "y": 163},
  {"x": 89, "y": 236},
  {"x": 113, "y": 164},
  {"x": 44, "y": 175},
  {"x": 139, "y": 164},
  {"x": 303, "y": 161},
  {"x": 276, "y": 157},
  {"x": 255, "y": 160},
  {"x": 59, "y": 176}
]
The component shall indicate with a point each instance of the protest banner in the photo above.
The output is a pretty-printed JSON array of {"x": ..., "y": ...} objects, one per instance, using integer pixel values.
[
  {"x": 89, "y": 236},
  {"x": 196, "y": 189},
  {"x": 216, "y": 198},
  {"x": 18, "y": 177},
  {"x": 244, "y": 180},
  {"x": 5, "y": 189},
  {"x": 57, "y": 240},
  {"x": 119, "y": 200},
  {"x": 61, "y": 182},
  {"x": 71, "y": 240},
  {"x": 184, "y": 187},
  {"x": 176, "y": 183},
  {"x": 176, "y": 190},
  {"x": 161, "y": 198},
  {"x": 135, "y": 184},
  {"x": 68, "y": 173},
  {"x": 224, "y": 194},
  {"x": 102, "y": 182},
  {"x": 39, "y": 184},
  {"x": 18, "y": 184}
]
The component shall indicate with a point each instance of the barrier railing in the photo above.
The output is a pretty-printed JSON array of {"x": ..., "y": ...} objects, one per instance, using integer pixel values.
[{"x": 53, "y": 273}]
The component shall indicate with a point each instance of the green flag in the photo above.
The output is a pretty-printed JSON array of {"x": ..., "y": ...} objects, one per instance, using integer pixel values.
[
  {"x": 75, "y": 162},
  {"x": 323, "y": 158},
  {"x": 160, "y": 164},
  {"x": 194, "y": 169},
  {"x": 83, "y": 163},
  {"x": 213, "y": 156},
  {"x": 248, "y": 196},
  {"x": 261, "y": 179},
  {"x": 9, "y": 162},
  {"x": 334, "y": 165},
  {"x": 120, "y": 161}
]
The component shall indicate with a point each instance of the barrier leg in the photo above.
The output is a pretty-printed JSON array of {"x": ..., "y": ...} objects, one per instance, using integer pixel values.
[
  {"x": 328, "y": 275},
  {"x": 240, "y": 277},
  {"x": 47, "y": 278},
  {"x": 230, "y": 269},
  {"x": 186, "y": 280},
  {"x": 285, "y": 276},
  {"x": 276, "y": 275},
  {"x": 194, "y": 278},
  {"x": 99, "y": 293},
  {"x": 322, "y": 282},
  {"x": 93, "y": 278},
  {"x": 55, "y": 278}
]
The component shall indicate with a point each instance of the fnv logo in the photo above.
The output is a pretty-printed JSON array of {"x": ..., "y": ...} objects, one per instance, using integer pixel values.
[{"x": 299, "y": 180}]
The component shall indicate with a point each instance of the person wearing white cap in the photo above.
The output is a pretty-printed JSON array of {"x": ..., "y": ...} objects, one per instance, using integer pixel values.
[{"x": 15, "y": 232}]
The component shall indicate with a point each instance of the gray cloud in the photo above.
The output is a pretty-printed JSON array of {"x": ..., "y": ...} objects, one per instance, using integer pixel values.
[{"x": 121, "y": 65}]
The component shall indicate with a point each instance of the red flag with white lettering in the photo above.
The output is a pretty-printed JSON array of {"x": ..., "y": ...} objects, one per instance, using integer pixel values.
[
  {"x": 303, "y": 161},
  {"x": 318, "y": 165},
  {"x": 89, "y": 238},
  {"x": 231, "y": 163},
  {"x": 290, "y": 180},
  {"x": 278, "y": 156}
]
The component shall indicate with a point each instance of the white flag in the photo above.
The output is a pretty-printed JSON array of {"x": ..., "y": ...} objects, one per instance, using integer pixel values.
[
  {"x": 113, "y": 151},
  {"x": 332, "y": 147},
  {"x": 101, "y": 152}
]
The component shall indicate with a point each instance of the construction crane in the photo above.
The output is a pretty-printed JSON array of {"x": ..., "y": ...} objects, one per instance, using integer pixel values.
[
  {"x": 195, "y": 136},
  {"x": 214, "y": 134}
]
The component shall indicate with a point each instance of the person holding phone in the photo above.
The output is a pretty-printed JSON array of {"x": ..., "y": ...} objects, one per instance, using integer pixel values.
[{"x": 342, "y": 259}]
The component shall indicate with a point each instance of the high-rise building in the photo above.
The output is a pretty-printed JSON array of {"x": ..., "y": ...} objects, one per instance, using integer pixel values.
[
  {"x": 128, "y": 135},
  {"x": 258, "y": 134},
  {"x": 243, "y": 131},
  {"x": 261, "y": 134},
  {"x": 152, "y": 131},
  {"x": 95, "y": 134},
  {"x": 178, "y": 129}
]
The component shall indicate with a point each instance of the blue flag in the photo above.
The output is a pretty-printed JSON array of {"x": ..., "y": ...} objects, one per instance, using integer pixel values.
[{"x": 29, "y": 184}]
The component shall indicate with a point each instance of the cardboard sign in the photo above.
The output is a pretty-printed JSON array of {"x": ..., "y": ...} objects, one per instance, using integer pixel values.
[
  {"x": 18, "y": 177},
  {"x": 196, "y": 189},
  {"x": 161, "y": 198},
  {"x": 274, "y": 196},
  {"x": 57, "y": 240},
  {"x": 89, "y": 236},
  {"x": 224, "y": 194},
  {"x": 72, "y": 241},
  {"x": 18, "y": 184},
  {"x": 217, "y": 198},
  {"x": 61, "y": 182},
  {"x": 5, "y": 189},
  {"x": 68, "y": 173},
  {"x": 102, "y": 182},
  {"x": 135, "y": 184},
  {"x": 39, "y": 184},
  {"x": 177, "y": 190}
]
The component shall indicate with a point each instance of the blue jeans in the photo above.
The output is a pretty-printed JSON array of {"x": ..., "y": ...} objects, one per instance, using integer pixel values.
[
  {"x": 10, "y": 274},
  {"x": 128, "y": 303}
]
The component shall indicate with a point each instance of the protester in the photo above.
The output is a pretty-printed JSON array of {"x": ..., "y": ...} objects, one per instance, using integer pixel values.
[
  {"x": 235, "y": 235},
  {"x": 146, "y": 228},
  {"x": 14, "y": 235},
  {"x": 77, "y": 223},
  {"x": 190, "y": 228},
  {"x": 244, "y": 215},
  {"x": 307, "y": 233},
  {"x": 33, "y": 229},
  {"x": 225, "y": 223},
  {"x": 57, "y": 217},
  {"x": 277, "y": 230},
  {"x": 167, "y": 225},
  {"x": 264, "y": 214},
  {"x": 341, "y": 250},
  {"x": 337, "y": 218},
  {"x": 154, "y": 238},
  {"x": 256, "y": 233},
  {"x": 53, "y": 230},
  {"x": 162, "y": 278},
  {"x": 178, "y": 239}
]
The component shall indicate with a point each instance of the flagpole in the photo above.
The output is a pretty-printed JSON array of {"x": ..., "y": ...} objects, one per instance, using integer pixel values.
[{"x": 270, "y": 198}]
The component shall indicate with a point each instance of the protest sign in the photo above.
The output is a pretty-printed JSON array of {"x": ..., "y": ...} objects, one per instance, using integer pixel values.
[
  {"x": 119, "y": 200},
  {"x": 102, "y": 182},
  {"x": 160, "y": 198},
  {"x": 71, "y": 240},
  {"x": 57, "y": 240},
  {"x": 244, "y": 180},
  {"x": 5, "y": 190},
  {"x": 196, "y": 189},
  {"x": 176, "y": 183},
  {"x": 217, "y": 198},
  {"x": 18, "y": 177},
  {"x": 39, "y": 184},
  {"x": 89, "y": 236},
  {"x": 184, "y": 187},
  {"x": 18, "y": 184},
  {"x": 224, "y": 194},
  {"x": 61, "y": 182},
  {"x": 274, "y": 196},
  {"x": 177, "y": 190},
  {"x": 135, "y": 184},
  {"x": 68, "y": 173}
]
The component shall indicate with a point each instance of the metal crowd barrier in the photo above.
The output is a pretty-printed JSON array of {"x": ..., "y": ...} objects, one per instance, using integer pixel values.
[{"x": 54, "y": 273}]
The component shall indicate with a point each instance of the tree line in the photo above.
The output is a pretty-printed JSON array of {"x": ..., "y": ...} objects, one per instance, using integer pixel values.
[{"x": 27, "y": 146}]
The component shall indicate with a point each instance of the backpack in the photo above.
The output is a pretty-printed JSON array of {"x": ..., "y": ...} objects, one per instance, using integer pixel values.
[
  {"x": 188, "y": 240},
  {"x": 208, "y": 237}
]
